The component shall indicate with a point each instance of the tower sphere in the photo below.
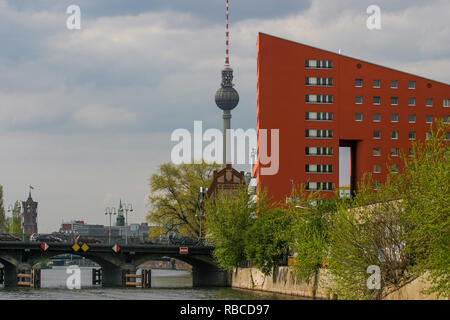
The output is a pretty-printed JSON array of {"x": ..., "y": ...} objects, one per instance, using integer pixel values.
[{"x": 227, "y": 98}]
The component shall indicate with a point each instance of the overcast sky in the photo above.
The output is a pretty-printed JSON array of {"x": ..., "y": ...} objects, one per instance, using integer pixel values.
[{"x": 86, "y": 115}]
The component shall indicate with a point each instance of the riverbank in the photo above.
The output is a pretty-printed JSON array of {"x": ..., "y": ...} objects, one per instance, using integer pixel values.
[{"x": 283, "y": 281}]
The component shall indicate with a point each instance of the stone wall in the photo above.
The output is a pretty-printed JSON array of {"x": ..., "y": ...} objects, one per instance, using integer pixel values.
[{"x": 283, "y": 281}]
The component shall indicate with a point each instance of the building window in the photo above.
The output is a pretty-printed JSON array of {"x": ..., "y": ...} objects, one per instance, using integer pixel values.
[
  {"x": 376, "y": 100},
  {"x": 394, "y": 84},
  {"x": 446, "y": 119},
  {"x": 358, "y": 83},
  {"x": 429, "y": 102},
  {"x": 358, "y": 116},
  {"x": 376, "y": 168},
  {"x": 319, "y": 186},
  {"x": 377, "y": 134},
  {"x": 412, "y": 85},
  {"x": 319, "y": 151},
  {"x": 319, "y": 168},
  {"x": 376, "y": 152},
  {"x": 321, "y": 82},
  {"x": 319, "y": 116},
  {"x": 446, "y": 103},
  {"x": 394, "y": 152},
  {"x": 447, "y": 136},
  {"x": 376, "y": 185},
  {"x": 394, "y": 101},
  {"x": 394, "y": 168},
  {"x": 376, "y": 83},
  {"x": 312, "y": 133},
  {"x": 428, "y": 135},
  {"x": 394, "y": 135},
  {"x": 394, "y": 117},
  {"x": 358, "y": 100},
  {"x": 412, "y": 135},
  {"x": 412, "y": 118},
  {"x": 411, "y": 101},
  {"x": 376, "y": 117},
  {"x": 319, "y": 64},
  {"x": 429, "y": 118},
  {"x": 319, "y": 98},
  {"x": 411, "y": 152}
]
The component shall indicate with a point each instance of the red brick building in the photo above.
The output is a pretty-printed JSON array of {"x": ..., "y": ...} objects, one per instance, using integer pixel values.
[{"x": 321, "y": 100}]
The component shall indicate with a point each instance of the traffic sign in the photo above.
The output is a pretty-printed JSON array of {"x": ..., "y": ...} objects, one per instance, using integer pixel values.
[
  {"x": 76, "y": 247},
  {"x": 116, "y": 248},
  {"x": 184, "y": 250},
  {"x": 85, "y": 247},
  {"x": 44, "y": 246}
]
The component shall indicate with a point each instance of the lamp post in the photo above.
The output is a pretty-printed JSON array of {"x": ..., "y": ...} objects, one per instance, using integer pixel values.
[
  {"x": 127, "y": 207},
  {"x": 110, "y": 211},
  {"x": 201, "y": 196},
  {"x": 11, "y": 209}
]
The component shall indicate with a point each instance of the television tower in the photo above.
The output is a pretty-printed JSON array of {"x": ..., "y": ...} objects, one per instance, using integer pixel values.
[{"x": 227, "y": 97}]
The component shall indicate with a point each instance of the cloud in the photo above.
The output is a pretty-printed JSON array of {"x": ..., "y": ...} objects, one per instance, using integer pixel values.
[{"x": 101, "y": 116}]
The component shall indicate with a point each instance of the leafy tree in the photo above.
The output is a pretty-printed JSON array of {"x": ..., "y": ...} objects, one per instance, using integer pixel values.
[
  {"x": 16, "y": 223},
  {"x": 267, "y": 240},
  {"x": 175, "y": 196},
  {"x": 369, "y": 231},
  {"x": 228, "y": 216},
  {"x": 425, "y": 191},
  {"x": 3, "y": 223}
]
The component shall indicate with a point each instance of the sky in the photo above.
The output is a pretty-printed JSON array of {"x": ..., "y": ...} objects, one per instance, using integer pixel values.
[{"x": 86, "y": 115}]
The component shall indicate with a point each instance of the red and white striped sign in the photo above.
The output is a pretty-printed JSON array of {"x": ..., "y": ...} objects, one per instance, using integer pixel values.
[
  {"x": 116, "y": 248},
  {"x": 184, "y": 250},
  {"x": 44, "y": 246}
]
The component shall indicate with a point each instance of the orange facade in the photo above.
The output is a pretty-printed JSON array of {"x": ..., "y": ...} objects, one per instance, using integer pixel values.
[{"x": 320, "y": 100}]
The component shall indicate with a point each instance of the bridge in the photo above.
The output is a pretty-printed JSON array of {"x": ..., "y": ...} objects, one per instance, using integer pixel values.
[{"x": 114, "y": 261}]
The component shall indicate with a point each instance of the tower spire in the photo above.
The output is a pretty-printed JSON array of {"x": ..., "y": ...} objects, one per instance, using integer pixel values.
[
  {"x": 227, "y": 97},
  {"x": 227, "y": 36}
]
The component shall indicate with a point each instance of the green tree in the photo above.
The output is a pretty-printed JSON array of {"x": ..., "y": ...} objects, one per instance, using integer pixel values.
[
  {"x": 425, "y": 191},
  {"x": 228, "y": 216},
  {"x": 175, "y": 196},
  {"x": 16, "y": 223},
  {"x": 3, "y": 222},
  {"x": 267, "y": 240},
  {"x": 369, "y": 231}
]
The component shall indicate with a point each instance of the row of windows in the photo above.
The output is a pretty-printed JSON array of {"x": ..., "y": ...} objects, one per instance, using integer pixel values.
[
  {"x": 377, "y": 168},
  {"x": 319, "y": 151},
  {"x": 376, "y": 100},
  {"x": 319, "y": 186},
  {"x": 395, "y": 118},
  {"x": 319, "y": 64},
  {"x": 314, "y": 133},
  {"x": 319, "y": 98},
  {"x": 315, "y": 81},
  {"x": 377, "y": 84},
  {"x": 319, "y": 116},
  {"x": 319, "y": 168},
  {"x": 411, "y": 135},
  {"x": 394, "y": 152}
]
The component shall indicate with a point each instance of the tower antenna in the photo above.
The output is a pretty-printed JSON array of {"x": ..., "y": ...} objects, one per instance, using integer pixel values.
[{"x": 227, "y": 35}]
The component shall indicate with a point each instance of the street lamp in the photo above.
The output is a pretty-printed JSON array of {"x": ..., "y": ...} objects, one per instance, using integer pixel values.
[
  {"x": 110, "y": 211},
  {"x": 201, "y": 196},
  {"x": 127, "y": 207}
]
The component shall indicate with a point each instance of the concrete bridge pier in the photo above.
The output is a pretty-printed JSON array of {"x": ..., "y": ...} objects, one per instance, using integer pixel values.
[
  {"x": 10, "y": 275},
  {"x": 210, "y": 276},
  {"x": 111, "y": 276}
]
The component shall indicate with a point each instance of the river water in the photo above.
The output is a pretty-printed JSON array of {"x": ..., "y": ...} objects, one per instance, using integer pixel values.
[{"x": 166, "y": 285}]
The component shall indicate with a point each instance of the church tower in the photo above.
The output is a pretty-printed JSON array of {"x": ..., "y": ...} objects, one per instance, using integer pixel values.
[
  {"x": 120, "y": 221},
  {"x": 29, "y": 215}
]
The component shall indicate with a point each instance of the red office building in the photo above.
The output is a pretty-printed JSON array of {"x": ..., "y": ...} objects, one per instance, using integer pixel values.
[{"x": 321, "y": 100}]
